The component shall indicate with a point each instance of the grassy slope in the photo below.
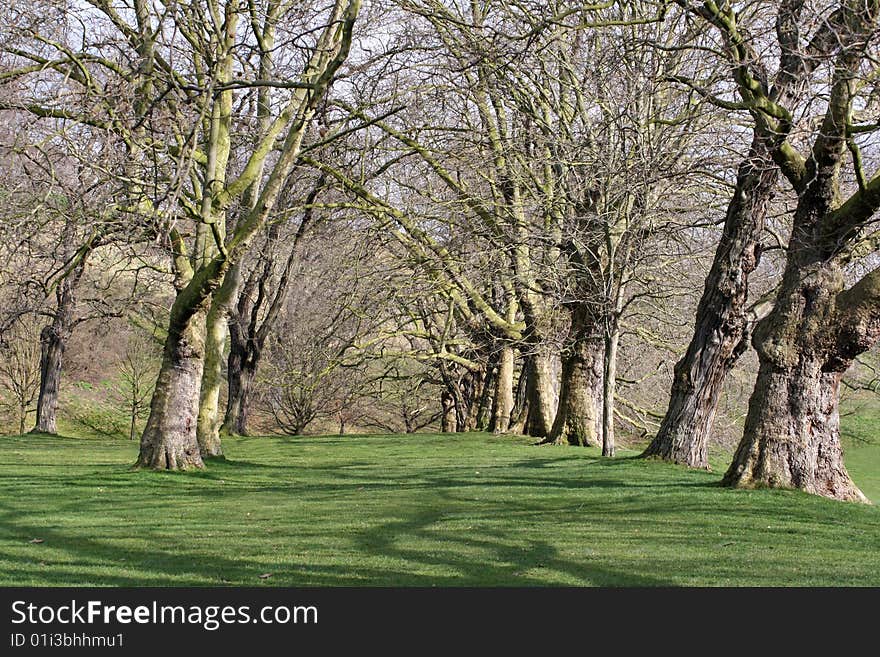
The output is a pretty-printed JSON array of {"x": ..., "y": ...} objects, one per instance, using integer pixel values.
[{"x": 425, "y": 510}]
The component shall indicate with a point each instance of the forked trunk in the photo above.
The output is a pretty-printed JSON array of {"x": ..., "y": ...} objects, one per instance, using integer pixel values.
[
  {"x": 792, "y": 434},
  {"x": 169, "y": 439}
]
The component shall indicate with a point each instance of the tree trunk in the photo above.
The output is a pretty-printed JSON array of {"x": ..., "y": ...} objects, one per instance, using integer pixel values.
[
  {"x": 792, "y": 432},
  {"x": 448, "y": 423},
  {"x": 486, "y": 396},
  {"x": 216, "y": 331},
  {"x": 542, "y": 404},
  {"x": 132, "y": 428},
  {"x": 609, "y": 387},
  {"x": 53, "y": 342},
  {"x": 579, "y": 412},
  {"x": 502, "y": 403},
  {"x": 52, "y": 345},
  {"x": 240, "y": 395},
  {"x": 475, "y": 381},
  {"x": 169, "y": 439},
  {"x": 520, "y": 414},
  {"x": 722, "y": 326},
  {"x": 208, "y": 423}
]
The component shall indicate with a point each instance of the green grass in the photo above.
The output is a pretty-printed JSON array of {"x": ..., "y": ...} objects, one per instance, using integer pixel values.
[{"x": 415, "y": 510}]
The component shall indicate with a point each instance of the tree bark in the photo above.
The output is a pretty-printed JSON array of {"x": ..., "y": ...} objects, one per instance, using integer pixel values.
[
  {"x": 53, "y": 342},
  {"x": 241, "y": 371},
  {"x": 792, "y": 434},
  {"x": 132, "y": 427},
  {"x": 487, "y": 394},
  {"x": 542, "y": 402},
  {"x": 579, "y": 412},
  {"x": 169, "y": 439},
  {"x": 208, "y": 423},
  {"x": 722, "y": 325},
  {"x": 609, "y": 388},
  {"x": 502, "y": 403},
  {"x": 216, "y": 330},
  {"x": 475, "y": 384},
  {"x": 520, "y": 414},
  {"x": 816, "y": 328},
  {"x": 448, "y": 423}
]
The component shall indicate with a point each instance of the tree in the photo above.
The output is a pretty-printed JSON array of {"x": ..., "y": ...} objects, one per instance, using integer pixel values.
[
  {"x": 254, "y": 316},
  {"x": 819, "y": 322},
  {"x": 723, "y": 324},
  {"x": 137, "y": 370},
  {"x": 20, "y": 369},
  {"x": 176, "y": 124}
]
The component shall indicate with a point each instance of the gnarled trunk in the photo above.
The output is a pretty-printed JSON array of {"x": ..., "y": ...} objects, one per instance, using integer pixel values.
[
  {"x": 722, "y": 323},
  {"x": 792, "y": 434},
  {"x": 579, "y": 412},
  {"x": 169, "y": 439}
]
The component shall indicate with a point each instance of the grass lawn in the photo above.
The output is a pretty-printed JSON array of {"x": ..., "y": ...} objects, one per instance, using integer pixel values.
[{"x": 415, "y": 510}]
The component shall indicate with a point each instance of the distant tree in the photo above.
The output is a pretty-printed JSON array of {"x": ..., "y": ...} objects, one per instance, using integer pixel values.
[
  {"x": 20, "y": 369},
  {"x": 137, "y": 371}
]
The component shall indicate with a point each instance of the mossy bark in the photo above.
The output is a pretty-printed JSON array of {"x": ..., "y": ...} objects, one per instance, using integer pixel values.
[
  {"x": 169, "y": 439},
  {"x": 815, "y": 330},
  {"x": 216, "y": 331}
]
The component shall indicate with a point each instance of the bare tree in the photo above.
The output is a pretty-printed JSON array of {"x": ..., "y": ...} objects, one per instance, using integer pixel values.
[{"x": 20, "y": 369}]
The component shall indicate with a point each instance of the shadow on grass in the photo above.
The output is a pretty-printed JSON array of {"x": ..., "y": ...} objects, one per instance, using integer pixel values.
[{"x": 354, "y": 521}]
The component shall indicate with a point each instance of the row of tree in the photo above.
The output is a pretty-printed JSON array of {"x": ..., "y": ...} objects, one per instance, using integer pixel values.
[{"x": 509, "y": 191}]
